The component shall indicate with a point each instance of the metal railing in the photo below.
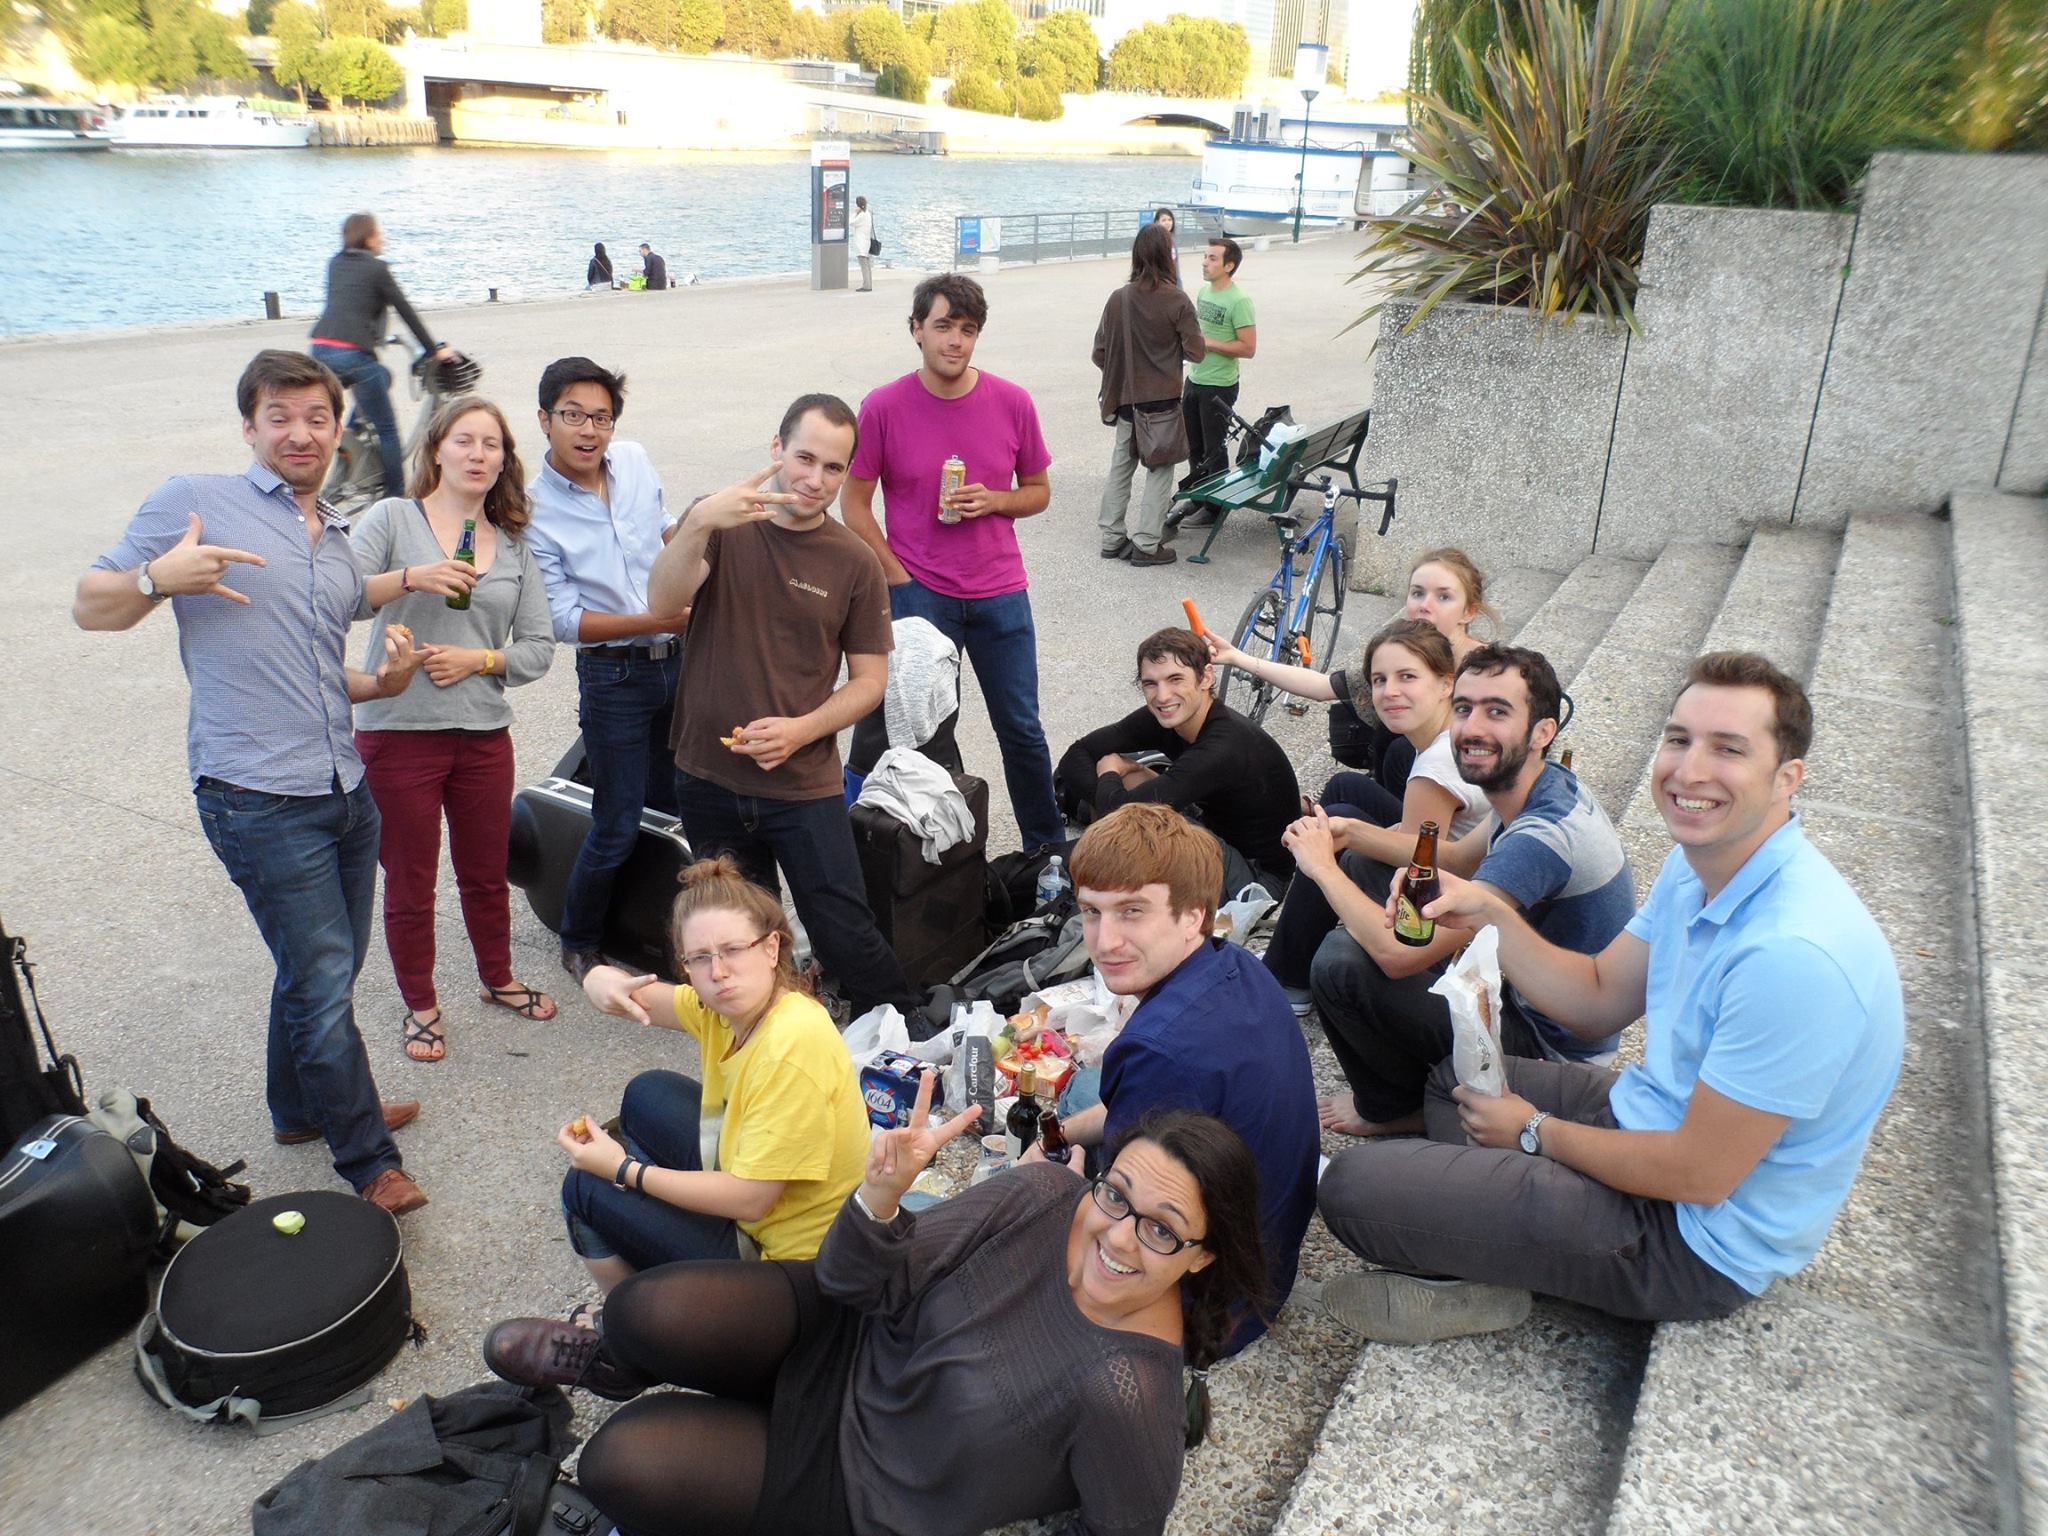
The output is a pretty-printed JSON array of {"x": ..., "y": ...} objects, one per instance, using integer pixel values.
[{"x": 1069, "y": 236}]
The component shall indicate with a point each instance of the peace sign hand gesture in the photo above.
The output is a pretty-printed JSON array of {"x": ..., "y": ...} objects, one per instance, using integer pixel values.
[
  {"x": 898, "y": 1156},
  {"x": 746, "y": 502}
]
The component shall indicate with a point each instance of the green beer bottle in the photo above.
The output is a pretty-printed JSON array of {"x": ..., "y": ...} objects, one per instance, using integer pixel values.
[{"x": 465, "y": 551}]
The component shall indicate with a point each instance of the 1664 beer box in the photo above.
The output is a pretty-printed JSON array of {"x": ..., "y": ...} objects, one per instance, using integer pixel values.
[{"x": 888, "y": 1084}]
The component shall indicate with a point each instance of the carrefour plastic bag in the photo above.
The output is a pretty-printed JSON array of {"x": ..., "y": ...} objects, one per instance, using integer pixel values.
[
  {"x": 1472, "y": 988},
  {"x": 970, "y": 1077}
]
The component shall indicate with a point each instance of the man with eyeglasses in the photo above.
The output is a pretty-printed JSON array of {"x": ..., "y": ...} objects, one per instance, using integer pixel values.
[
  {"x": 599, "y": 520},
  {"x": 1212, "y": 1031}
]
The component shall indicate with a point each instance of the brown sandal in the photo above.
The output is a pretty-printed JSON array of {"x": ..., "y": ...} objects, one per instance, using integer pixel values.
[
  {"x": 537, "y": 1006},
  {"x": 425, "y": 1033}
]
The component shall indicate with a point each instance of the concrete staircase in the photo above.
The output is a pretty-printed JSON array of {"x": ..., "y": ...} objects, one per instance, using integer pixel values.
[{"x": 1876, "y": 1391}]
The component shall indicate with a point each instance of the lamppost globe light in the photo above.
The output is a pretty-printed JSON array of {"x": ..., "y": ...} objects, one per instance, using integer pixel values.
[{"x": 1311, "y": 72}]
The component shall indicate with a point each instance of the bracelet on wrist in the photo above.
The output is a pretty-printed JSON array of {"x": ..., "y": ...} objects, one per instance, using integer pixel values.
[
  {"x": 640, "y": 1179},
  {"x": 405, "y": 579},
  {"x": 868, "y": 1210},
  {"x": 619, "y": 1178}
]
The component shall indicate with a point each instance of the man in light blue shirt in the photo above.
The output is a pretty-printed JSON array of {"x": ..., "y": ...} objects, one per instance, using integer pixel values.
[
  {"x": 257, "y": 570},
  {"x": 599, "y": 519},
  {"x": 1682, "y": 1187}
]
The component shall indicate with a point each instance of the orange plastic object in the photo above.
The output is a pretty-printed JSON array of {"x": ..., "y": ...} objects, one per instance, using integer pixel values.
[
  {"x": 1194, "y": 619},
  {"x": 1306, "y": 659}
]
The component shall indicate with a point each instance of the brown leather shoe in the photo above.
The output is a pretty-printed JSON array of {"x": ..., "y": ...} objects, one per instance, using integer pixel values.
[
  {"x": 395, "y": 1191},
  {"x": 395, "y": 1115},
  {"x": 541, "y": 1352}
]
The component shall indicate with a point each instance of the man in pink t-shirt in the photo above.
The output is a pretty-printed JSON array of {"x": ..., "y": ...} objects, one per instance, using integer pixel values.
[{"x": 966, "y": 577}]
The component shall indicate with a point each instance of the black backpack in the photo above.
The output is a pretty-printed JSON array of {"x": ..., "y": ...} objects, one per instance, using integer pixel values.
[
  {"x": 190, "y": 1192},
  {"x": 33, "y": 1085}
]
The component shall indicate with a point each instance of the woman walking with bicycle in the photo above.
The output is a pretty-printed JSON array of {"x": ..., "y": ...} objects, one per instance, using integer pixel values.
[
  {"x": 481, "y": 626},
  {"x": 1147, "y": 327},
  {"x": 360, "y": 288}
]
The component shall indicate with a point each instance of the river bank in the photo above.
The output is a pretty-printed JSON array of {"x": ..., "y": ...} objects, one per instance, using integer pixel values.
[{"x": 152, "y": 974}]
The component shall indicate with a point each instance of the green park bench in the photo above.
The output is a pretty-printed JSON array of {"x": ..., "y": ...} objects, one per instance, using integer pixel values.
[{"x": 1271, "y": 487}]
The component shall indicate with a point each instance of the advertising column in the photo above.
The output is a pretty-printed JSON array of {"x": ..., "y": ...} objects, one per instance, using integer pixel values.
[{"x": 831, "y": 206}]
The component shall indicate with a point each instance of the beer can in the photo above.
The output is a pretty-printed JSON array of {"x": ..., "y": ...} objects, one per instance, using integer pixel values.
[{"x": 951, "y": 478}]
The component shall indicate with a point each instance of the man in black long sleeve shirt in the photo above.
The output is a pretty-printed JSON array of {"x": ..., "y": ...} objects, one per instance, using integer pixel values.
[{"x": 1221, "y": 768}]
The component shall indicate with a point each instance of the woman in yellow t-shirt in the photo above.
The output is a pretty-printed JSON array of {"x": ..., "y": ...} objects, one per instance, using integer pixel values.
[{"x": 757, "y": 1157}]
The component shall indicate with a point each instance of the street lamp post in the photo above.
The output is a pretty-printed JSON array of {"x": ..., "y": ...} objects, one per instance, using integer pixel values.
[{"x": 1311, "y": 70}]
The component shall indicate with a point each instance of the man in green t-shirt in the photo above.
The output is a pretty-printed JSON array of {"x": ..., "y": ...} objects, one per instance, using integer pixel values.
[{"x": 1225, "y": 313}]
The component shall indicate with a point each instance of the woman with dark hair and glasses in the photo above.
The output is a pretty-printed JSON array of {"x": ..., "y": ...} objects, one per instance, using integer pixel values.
[
  {"x": 1013, "y": 1352},
  {"x": 754, "y": 1158}
]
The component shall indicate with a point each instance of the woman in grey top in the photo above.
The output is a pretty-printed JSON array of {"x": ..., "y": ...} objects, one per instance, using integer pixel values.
[
  {"x": 446, "y": 751},
  {"x": 1015, "y": 1351}
]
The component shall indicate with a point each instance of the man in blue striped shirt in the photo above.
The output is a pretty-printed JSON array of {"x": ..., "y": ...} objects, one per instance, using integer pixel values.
[{"x": 258, "y": 573}]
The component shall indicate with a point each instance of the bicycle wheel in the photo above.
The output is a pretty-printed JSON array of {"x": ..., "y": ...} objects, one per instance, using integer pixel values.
[
  {"x": 1326, "y": 604},
  {"x": 1257, "y": 634}
]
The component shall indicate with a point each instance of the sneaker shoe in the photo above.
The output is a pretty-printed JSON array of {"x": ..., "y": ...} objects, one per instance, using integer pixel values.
[
  {"x": 1121, "y": 550},
  {"x": 1201, "y": 517},
  {"x": 395, "y": 1190},
  {"x": 395, "y": 1115},
  {"x": 542, "y": 1352},
  {"x": 1163, "y": 555},
  {"x": 1300, "y": 1000},
  {"x": 580, "y": 962},
  {"x": 1392, "y": 1308}
]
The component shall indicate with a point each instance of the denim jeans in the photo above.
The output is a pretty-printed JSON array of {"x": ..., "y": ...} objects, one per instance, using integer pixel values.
[
  {"x": 659, "y": 1119},
  {"x": 997, "y": 634},
  {"x": 307, "y": 866},
  {"x": 812, "y": 840},
  {"x": 371, "y": 381},
  {"x": 625, "y": 701}
]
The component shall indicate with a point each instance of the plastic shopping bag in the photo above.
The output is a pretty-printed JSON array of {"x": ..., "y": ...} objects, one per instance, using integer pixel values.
[
  {"x": 970, "y": 1077},
  {"x": 1472, "y": 988},
  {"x": 1246, "y": 912},
  {"x": 879, "y": 1029}
]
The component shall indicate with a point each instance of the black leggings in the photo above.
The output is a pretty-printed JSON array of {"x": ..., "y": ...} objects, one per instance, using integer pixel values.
[
  {"x": 1306, "y": 916},
  {"x": 677, "y": 1464}
]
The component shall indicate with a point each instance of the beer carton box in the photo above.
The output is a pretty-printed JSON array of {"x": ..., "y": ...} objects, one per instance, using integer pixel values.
[{"x": 888, "y": 1086}]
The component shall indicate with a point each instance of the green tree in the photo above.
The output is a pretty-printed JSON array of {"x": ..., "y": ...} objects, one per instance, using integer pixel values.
[
  {"x": 878, "y": 37},
  {"x": 900, "y": 82},
  {"x": 811, "y": 36},
  {"x": 755, "y": 27},
  {"x": 109, "y": 51},
  {"x": 357, "y": 69},
  {"x": 1182, "y": 56},
  {"x": 296, "y": 31},
  {"x": 698, "y": 25},
  {"x": 354, "y": 18},
  {"x": 956, "y": 42},
  {"x": 1065, "y": 52},
  {"x": 997, "y": 27},
  {"x": 259, "y": 14},
  {"x": 653, "y": 22},
  {"x": 1037, "y": 100},
  {"x": 444, "y": 16},
  {"x": 567, "y": 21},
  {"x": 975, "y": 90}
]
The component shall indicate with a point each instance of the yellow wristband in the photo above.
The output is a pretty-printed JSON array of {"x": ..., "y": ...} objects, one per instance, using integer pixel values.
[{"x": 487, "y": 662}]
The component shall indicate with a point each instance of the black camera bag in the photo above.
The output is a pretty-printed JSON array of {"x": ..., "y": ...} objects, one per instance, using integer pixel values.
[{"x": 256, "y": 1323}]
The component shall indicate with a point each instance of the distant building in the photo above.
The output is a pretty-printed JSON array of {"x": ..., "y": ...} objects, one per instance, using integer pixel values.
[{"x": 515, "y": 23}]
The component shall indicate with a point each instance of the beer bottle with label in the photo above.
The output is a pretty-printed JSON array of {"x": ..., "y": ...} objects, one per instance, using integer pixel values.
[
  {"x": 1564, "y": 759},
  {"x": 1418, "y": 891},
  {"x": 1020, "y": 1126},
  {"x": 1051, "y": 1137},
  {"x": 465, "y": 551}
]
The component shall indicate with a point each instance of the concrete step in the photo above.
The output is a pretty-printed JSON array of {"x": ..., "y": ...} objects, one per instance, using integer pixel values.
[
  {"x": 2000, "y": 548},
  {"x": 1623, "y": 690},
  {"x": 1866, "y": 1393},
  {"x": 1571, "y": 620}
]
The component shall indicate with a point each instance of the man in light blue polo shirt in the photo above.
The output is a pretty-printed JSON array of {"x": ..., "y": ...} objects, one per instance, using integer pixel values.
[
  {"x": 257, "y": 570},
  {"x": 1682, "y": 1187},
  {"x": 599, "y": 519}
]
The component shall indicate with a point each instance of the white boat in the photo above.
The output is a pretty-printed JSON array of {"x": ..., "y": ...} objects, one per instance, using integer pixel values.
[
  {"x": 1250, "y": 182},
  {"x": 28, "y": 122},
  {"x": 207, "y": 122}
]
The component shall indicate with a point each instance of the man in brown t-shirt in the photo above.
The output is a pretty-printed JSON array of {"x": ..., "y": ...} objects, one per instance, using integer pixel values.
[{"x": 781, "y": 594}]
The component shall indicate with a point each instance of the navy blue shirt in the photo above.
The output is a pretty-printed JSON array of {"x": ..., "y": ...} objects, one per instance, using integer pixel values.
[{"x": 1218, "y": 1036}]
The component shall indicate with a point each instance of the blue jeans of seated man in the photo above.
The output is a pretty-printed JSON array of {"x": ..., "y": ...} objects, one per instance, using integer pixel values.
[
  {"x": 625, "y": 701},
  {"x": 371, "y": 381},
  {"x": 998, "y": 636},
  {"x": 307, "y": 867},
  {"x": 659, "y": 1119},
  {"x": 812, "y": 841}
]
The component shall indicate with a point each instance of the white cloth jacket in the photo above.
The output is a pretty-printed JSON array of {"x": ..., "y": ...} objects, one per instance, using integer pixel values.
[
  {"x": 922, "y": 795},
  {"x": 924, "y": 683}
]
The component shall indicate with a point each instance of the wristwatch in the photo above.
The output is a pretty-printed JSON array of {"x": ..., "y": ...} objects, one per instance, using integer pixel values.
[
  {"x": 148, "y": 588},
  {"x": 1532, "y": 1140}
]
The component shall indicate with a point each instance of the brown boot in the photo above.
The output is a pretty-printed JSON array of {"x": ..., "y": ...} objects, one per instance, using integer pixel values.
[
  {"x": 395, "y": 1115},
  {"x": 395, "y": 1191}
]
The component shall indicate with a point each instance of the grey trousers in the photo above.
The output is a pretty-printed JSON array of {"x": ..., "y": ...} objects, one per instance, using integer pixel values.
[
  {"x": 1153, "y": 499},
  {"x": 867, "y": 273},
  {"x": 1437, "y": 1205}
]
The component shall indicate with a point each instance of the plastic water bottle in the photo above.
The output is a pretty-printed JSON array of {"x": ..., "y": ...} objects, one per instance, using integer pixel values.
[{"x": 1052, "y": 882}]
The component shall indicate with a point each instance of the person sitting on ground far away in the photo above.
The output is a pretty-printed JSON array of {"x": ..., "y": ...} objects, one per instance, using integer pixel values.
[
  {"x": 1012, "y": 1352},
  {"x": 1410, "y": 665},
  {"x": 1212, "y": 1030},
  {"x": 751, "y": 1160},
  {"x": 1553, "y": 853},
  {"x": 1220, "y": 767},
  {"x": 1683, "y": 1186}
]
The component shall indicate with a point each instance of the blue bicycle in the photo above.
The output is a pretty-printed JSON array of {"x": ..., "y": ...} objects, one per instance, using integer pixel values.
[{"x": 1295, "y": 617}]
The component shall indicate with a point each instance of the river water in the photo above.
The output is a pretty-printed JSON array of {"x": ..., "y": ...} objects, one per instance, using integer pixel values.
[{"x": 150, "y": 237}]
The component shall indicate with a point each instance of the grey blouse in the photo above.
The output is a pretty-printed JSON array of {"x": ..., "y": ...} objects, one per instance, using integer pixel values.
[{"x": 508, "y": 612}]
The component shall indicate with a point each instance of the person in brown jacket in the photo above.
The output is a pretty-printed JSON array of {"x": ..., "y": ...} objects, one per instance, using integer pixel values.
[{"x": 1147, "y": 327}]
